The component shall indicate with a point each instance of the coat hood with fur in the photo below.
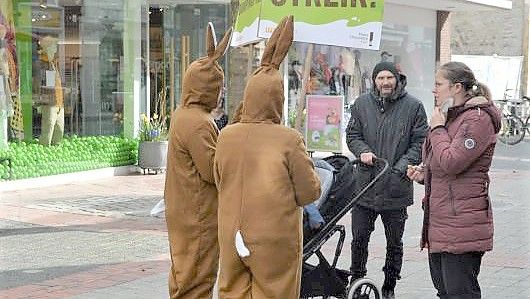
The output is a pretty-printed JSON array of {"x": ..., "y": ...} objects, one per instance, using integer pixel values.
[{"x": 482, "y": 103}]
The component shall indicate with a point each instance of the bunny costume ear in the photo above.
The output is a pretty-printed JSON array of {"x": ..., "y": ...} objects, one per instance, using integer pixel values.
[
  {"x": 211, "y": 40},
  {"x": 215, "y": 51},
  {"x": 279, "y": 43}
]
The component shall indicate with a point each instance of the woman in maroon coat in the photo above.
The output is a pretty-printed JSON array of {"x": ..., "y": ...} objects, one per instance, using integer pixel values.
[{"x": 458, "y": 221}]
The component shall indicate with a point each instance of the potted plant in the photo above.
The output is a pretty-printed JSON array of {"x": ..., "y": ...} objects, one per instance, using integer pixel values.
[{"x": 152, "y": 150}]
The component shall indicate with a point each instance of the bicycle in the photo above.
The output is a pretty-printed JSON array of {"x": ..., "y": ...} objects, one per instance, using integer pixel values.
[{"x": 515, "y": 120}]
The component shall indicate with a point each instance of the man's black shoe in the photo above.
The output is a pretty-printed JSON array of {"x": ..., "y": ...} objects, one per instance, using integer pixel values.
[{"x": 388, "y": 294}]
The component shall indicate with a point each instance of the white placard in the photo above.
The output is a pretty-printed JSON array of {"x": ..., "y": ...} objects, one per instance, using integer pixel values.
[
  {"x": 50, "y": 78},
  {"x": 2, "y": 88}
]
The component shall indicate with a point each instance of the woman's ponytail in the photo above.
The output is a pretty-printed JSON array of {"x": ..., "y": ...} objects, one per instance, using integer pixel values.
[{"x": 479, "y": 89}]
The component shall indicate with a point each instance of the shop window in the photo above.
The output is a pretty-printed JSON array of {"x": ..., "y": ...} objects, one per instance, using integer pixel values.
[{"x": 79, "y": 66}]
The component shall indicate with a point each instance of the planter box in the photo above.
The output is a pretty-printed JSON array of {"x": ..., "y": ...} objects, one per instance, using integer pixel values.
[{"x": 152, "y": 155}]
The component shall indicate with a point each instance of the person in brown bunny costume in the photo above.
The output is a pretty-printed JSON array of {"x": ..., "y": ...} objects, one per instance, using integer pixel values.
[
  {"x": 264, "y": 177},
  {"x": 190, "y": 193}
]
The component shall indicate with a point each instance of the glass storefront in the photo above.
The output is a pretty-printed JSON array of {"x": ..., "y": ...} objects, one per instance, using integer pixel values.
[
  {"x": 81, "y": 77},
  {"x": 92, "y": 67}
]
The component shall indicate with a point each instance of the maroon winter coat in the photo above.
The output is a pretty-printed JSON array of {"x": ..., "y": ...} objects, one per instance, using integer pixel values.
[{"x": 458, "y": 216}]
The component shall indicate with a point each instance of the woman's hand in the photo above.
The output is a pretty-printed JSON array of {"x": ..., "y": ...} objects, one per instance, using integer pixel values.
[
  {"x": 415, "y": 173},
  {"x": 437, "y": 118}
]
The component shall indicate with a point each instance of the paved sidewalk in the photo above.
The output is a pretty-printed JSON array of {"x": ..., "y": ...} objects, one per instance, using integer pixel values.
[
  {"x": 79, "y": 238},
  {"x": 97, "y": 240}
]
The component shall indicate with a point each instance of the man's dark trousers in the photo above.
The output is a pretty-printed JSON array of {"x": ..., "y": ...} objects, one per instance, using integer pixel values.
[{"x": 363, "y": 224}]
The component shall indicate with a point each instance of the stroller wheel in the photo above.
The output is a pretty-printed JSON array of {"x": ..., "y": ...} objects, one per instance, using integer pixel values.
[{"x": 363, "y": 288}]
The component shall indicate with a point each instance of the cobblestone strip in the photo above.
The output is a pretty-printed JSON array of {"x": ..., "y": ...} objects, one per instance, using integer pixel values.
[
  {"x": 42, "y": 217},
  {"x": 84, "y": 282},
  {"x": 48, "y": 218}
]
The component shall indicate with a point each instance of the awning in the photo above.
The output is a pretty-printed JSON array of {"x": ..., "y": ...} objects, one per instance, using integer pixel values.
[
  {"x": 179, "y": 2},
  {"x": 455, "y": 5}
]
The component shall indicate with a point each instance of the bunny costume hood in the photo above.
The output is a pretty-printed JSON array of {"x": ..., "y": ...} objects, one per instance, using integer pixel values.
[
  {"x": 263, "y": 95},
  {"x": 204, "y": 78}
]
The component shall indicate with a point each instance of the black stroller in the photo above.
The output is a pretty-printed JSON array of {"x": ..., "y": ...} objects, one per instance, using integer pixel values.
[{"x": 325, "y": 279}]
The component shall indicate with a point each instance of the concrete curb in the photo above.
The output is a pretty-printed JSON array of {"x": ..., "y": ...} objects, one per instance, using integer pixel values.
[{"x": 67, "y": 178}]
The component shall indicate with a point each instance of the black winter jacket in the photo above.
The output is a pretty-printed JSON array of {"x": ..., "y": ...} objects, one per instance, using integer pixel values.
[{"x": 394, "y": 130}]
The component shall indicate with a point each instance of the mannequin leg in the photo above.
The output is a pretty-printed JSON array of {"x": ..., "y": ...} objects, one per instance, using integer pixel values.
[
  {"x": 58, "y": 128},
  {"x": 49, "y": 117}
]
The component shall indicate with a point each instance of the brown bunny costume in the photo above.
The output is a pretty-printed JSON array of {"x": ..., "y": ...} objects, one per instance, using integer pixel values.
[
  {"x": 190, "y": 193},
  {"x": 264, "y": 176}
]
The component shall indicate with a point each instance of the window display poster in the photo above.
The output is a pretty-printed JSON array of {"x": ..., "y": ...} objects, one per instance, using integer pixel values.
[
  {"x": 355, "y": 24},
  {"x": 8, "y": 22},
  {"x": 334, "y": 71},
  {"x": 323, "y": 123}
]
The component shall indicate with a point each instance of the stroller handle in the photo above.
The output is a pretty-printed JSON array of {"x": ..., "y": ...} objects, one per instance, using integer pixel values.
[
  {"x": 377, "y": 161},
  {"x": 331, "y": 223}
]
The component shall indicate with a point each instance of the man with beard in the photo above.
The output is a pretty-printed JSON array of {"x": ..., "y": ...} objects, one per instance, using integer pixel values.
[{"x": 386, "y": 123}]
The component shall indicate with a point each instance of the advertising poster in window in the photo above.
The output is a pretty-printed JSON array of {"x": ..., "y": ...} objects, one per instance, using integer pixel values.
[{"x": 324, "y": 121}]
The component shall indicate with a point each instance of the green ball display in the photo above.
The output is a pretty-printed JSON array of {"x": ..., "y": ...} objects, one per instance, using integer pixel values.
[{"x": 30, "y": 159}]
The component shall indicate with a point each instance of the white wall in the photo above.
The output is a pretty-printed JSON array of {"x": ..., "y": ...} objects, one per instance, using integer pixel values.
[{"x": 410, "y": 33}]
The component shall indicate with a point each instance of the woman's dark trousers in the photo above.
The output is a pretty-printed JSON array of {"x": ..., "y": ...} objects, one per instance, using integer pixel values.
[{"x": 455, "y": 276}]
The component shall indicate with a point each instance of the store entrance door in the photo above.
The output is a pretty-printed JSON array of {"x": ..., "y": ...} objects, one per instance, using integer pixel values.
[{"x": 177, "y": 38}]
